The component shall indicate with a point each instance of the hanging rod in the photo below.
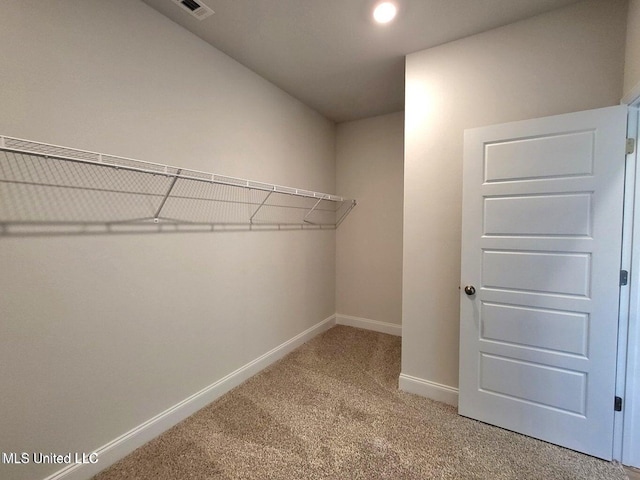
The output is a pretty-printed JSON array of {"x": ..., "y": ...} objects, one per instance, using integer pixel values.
[{"x": 45, "y": 184}]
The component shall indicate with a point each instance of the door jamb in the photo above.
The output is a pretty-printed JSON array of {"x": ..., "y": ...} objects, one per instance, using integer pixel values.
[{"x": 626, "y": 445}]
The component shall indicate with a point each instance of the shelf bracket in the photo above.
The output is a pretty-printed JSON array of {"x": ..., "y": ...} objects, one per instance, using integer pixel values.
[
  {"x": 352, "y": 204},
  {"x": 311, "y": 211},
  {"x": 166, "y": 196},
  {"x": 260, "y": 206}
]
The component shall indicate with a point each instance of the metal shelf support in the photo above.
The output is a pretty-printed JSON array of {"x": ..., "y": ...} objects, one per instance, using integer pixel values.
[{"x": 164, "y": 200}]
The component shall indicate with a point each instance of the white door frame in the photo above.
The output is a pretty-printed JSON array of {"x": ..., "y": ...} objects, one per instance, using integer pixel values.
[{"x": 627, "y": 422}]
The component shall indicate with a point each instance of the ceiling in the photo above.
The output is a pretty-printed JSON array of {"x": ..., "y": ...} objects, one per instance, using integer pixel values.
[{"x": 331, "y": 55}]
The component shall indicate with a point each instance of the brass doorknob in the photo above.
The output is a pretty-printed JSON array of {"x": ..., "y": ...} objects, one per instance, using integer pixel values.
[{"x": 470, "y": 290}]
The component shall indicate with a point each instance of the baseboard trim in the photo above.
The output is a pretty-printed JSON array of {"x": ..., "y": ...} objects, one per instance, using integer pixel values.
[
  {"x": 425, "y": 388},
  {"x": 367, "y": 324},
  {"x": 125, "y": 444}
]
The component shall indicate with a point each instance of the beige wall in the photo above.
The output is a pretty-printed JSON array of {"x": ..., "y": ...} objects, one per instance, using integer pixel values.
[
  {"x": 632, "y": 55},
  {"x": 567, "y": 60},
  {"x": 99, "y": 334},
  {"x": 369, "y": 244}
]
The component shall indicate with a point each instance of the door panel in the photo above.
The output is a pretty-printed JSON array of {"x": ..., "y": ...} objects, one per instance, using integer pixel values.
[
  {"x": 564, "y": 389},
  {"x": 538, "y": 215},
  {"x": 537, "y": 272},
  {"x": 553, "y": 155},
  {"x": 527, "y": 327},
  {"x": 541, "y": 242}
]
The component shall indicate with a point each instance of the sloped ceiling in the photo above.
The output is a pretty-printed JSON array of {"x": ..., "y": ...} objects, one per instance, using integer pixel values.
[{"x": 331, "y": 55}]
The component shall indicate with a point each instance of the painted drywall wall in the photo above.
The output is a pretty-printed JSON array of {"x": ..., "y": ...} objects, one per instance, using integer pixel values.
[
  {"x": 566, "y": 60},
  {"x": 369, "y": 166},
  {"x": 632, "y": 53},
  {"x": 100, "y": 333}
]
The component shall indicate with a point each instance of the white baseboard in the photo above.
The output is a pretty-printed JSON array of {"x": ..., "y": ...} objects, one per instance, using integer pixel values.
[
  {"x": 425, "y": 388},
  {"x": 125, "y": 444},
  {"x": 365, "y": 323}
]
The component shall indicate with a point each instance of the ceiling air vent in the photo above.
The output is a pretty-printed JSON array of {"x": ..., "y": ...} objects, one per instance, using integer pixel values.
[{"x": 195, "y": 8}]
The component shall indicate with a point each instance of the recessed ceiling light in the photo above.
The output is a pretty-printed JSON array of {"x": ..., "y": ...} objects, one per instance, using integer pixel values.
[{"x": 384, "y": 12}]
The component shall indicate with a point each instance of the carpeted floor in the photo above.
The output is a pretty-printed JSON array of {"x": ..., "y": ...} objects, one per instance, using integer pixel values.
[{"x": 331, "y": 410}]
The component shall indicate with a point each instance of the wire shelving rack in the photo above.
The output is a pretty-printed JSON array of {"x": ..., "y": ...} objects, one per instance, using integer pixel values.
[{"x": 48, "y": 189}]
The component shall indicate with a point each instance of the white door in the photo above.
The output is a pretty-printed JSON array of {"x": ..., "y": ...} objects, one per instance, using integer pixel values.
[{"x": 541, "y": 245}]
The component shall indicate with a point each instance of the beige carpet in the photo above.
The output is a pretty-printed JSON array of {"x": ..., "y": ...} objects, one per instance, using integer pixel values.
[{"x": 331, "y": 410}]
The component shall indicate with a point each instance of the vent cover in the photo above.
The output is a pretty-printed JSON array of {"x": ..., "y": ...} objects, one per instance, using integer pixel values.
[{"x": 195, "y": 8}]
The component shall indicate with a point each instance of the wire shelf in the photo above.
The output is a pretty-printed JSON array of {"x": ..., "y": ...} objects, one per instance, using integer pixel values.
[{"x": 51, "y": 189}]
